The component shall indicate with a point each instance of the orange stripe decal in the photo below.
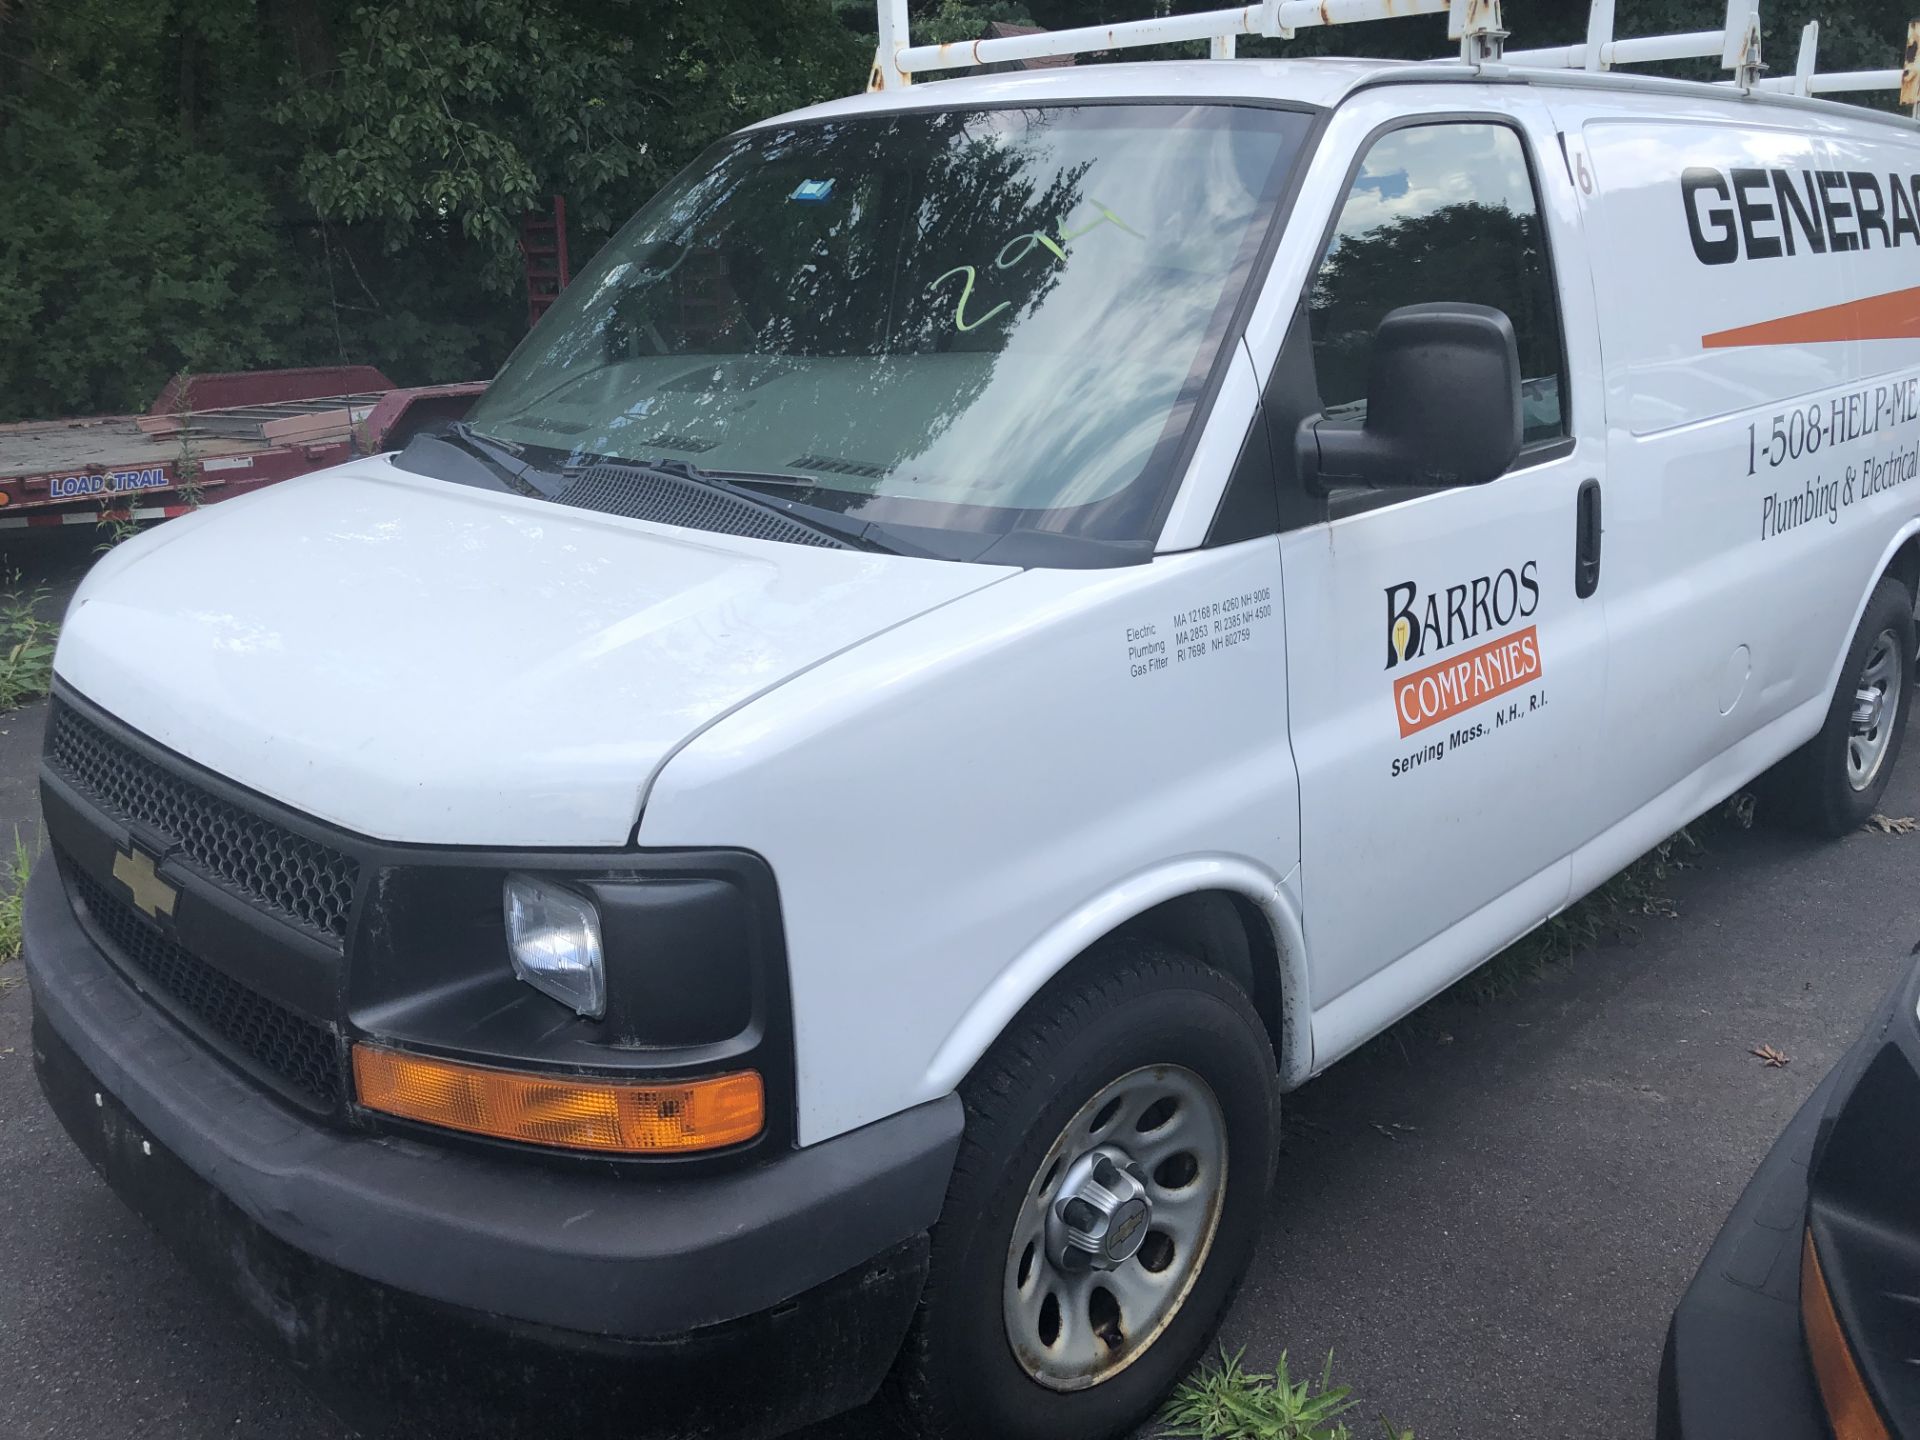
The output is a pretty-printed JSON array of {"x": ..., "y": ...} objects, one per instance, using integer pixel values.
[{"x": 1895, "y": 316}]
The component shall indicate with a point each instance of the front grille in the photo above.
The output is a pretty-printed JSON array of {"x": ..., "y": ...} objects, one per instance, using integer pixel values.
[
  {"x": 300, "y": 880},
  {"x": 300, "y": 1053}
]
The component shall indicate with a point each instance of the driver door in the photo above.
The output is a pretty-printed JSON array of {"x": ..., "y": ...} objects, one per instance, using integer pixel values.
[{"x": 1447, "y": 660}]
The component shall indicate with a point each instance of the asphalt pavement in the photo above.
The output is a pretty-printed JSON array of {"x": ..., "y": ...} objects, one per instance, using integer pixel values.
[{"x": 1486, "y": 1217}]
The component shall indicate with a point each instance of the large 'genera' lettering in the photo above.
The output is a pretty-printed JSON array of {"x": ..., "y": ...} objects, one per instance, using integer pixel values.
[{"x": 1767, "y": 214}]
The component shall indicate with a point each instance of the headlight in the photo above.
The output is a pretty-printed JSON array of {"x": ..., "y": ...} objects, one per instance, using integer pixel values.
[{"x": 553, "y": 936}]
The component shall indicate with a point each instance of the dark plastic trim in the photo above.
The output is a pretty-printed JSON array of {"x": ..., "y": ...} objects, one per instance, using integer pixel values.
[
  {"x": 1734, "y": 1366},
  {"x": 631, "y": 1254},
  {"x": 1249, "y": 502},
  {"x": 1845, "y": 1167},
  {"x": 425, "y": 965},
  {"x": 1860, "y": 1207}
]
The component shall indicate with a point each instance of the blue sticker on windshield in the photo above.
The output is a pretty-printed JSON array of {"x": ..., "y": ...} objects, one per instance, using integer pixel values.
[{"x": 812, "y": 192}]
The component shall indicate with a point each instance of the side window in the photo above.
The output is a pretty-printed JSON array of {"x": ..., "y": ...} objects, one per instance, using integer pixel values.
[{"x": 1438, "y": 212}]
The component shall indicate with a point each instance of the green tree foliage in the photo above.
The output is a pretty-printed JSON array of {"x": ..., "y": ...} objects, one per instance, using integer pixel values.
[{"x": 224, "y": 184}]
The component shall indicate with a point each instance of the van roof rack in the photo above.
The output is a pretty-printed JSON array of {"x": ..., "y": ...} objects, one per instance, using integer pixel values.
[
  {"x": 1474, "y": 24},
  {"x": 1808, "y": 80},
  {"x": 1737, "y": 44},
  {"x": 897, "y": 59}
]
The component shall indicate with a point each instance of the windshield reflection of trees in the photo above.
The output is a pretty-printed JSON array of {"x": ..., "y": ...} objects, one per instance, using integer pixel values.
[
  {"x": 737, "y": 268},
  {"x": 1471, "y": 252}
]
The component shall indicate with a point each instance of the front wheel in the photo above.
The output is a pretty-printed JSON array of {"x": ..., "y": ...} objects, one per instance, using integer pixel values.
[
  {"x": 1119, "y": 1147},
  {"x": 1833, "y": 783}
]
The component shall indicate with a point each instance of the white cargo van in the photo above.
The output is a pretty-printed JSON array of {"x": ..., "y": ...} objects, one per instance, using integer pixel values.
[{"x": 998, "y": 628}]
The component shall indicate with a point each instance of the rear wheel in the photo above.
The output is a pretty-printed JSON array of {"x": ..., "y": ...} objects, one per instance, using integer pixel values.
[
  {"x": 1833, "y": 783},
  {"x": 1109, "y": 1191}
]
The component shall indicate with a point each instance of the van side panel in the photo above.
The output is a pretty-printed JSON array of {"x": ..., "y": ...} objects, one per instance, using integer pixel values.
[
  {"x": 1886, "y": 315},
  {"x": 1760, "y": 453}
]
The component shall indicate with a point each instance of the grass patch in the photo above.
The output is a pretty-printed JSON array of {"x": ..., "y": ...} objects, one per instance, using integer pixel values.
[
  {"x": 1226, "y": 1401},
  {"x": 20, "y": 866},
  {"x": 26, "y": 647},
  {"x": 1612, "y": 912}
]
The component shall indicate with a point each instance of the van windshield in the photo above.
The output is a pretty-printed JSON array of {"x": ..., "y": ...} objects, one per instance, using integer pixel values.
[{"x": 967, "y": 323}]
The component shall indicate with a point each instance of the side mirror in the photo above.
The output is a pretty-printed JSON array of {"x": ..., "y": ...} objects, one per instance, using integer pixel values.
[{"x": 1443, "y": 405}]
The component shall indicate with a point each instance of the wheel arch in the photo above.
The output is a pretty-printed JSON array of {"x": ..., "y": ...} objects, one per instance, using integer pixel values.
[
  {"x": 1904, "y": 563},
  {"x": 1225, "y": 911},
  {"x": 1901, "y": 560}
]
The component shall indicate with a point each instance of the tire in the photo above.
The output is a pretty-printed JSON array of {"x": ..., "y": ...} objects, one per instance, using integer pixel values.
[
  {"x": 1834, "y": 782},
  {"x": 1146, "y": 1027}
]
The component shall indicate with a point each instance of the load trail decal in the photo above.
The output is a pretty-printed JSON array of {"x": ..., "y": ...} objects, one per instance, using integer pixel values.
[{"x": 150, "y": 478}]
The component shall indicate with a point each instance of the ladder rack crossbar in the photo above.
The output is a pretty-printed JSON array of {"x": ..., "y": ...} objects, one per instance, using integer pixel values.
[
  {"x": 1642, "y": 50},
  {"x": 1840, "y": 82},
  {"x": 1475, "y": 24},
  {"x": 1286, "y": 17},
  {"x": 1808, "y": 80},
  {"x": 1736, "y": 45}
]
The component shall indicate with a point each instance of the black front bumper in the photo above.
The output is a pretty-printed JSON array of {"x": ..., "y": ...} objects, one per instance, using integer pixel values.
[{"x": 379, "y": 1257}]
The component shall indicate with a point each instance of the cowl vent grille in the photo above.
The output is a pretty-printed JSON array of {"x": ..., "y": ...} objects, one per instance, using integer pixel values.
[
  {"x": 834, "y": 465},
  {"x": 671, "y": 500}
]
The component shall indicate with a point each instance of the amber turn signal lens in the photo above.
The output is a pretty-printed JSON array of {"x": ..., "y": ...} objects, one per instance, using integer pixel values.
[
  {"x": 1850, "y": 1409},
  {"x": 566, "y": 1111}
]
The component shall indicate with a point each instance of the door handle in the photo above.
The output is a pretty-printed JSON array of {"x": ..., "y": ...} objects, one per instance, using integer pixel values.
[{"x": 1586, "y": 540}]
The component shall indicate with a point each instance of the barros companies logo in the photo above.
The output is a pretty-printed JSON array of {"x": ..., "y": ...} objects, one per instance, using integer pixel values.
[{"x": 1425, "y": 624}]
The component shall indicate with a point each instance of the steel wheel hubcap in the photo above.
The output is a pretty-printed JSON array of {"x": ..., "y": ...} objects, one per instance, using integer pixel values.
[
  {"x": 1115, "y": 1227},
  {"x": 1876, "y": 702}
]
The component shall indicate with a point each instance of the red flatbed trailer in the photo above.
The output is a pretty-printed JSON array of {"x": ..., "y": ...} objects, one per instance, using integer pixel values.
[{"x": 208, "y": 437}]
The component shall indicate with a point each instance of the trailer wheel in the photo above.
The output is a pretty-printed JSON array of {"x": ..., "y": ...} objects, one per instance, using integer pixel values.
[
  {"x": 1834, "y": 782},
  {"x": 1119, "y": 1148}
]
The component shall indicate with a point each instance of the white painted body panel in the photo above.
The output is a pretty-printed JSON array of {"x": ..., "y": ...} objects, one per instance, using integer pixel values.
[
  {"x": 961, "y": 776},
  {"x": 1425, "y": 851},
  {"x": 940, "y": 802},
  {"x": 417, "y": 661},
  {"x": 1727, "y": 627}
]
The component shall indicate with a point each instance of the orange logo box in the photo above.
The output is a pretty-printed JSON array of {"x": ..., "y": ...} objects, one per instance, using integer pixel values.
[{"x": 1438, "y": 692}]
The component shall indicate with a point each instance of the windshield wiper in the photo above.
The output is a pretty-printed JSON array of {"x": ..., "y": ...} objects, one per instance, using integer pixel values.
[
  {"x": 498, "y": 457},
  {"x": 858, "y": 533}
]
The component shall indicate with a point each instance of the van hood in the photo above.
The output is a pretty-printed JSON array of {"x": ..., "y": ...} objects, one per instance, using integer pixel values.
[{"x": 415, "y": 661}]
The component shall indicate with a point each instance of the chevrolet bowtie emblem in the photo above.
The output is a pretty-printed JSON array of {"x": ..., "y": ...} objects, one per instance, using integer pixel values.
[{"x": 134, "y": 869}]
